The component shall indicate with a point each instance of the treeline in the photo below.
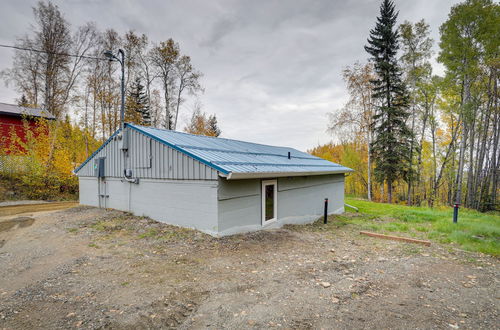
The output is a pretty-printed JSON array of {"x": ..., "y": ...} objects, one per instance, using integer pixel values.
[
  {"x": 67, "y": 73},
  {"x": 427, "y": 138},
  {"x": 63, "y": 69}
]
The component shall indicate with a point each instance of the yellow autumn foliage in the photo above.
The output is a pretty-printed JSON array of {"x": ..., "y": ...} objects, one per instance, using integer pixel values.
[{"x": 41, "y": 165}]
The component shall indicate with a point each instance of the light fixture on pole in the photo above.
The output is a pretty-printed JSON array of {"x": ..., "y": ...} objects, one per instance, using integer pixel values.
[{"x": 109, "y": 54}]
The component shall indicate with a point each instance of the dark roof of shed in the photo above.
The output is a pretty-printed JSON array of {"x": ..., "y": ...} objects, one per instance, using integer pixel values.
[{"x": 16, "y": 110}]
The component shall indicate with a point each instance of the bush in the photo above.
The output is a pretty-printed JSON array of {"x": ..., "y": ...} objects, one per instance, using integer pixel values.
[{"x": 40, "y": 166}]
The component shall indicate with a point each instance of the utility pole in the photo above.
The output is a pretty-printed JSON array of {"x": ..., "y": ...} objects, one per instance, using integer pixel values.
[{"x": 109, "y": 54}]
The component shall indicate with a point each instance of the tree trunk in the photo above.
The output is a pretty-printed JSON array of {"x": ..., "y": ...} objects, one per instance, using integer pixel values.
[
  {"x": 433, "y": 192},
  {"x": 419, "y": 161},
  {"x": 495, "y": 159},
  {"x": 463, "y": 144},
  {"x": 470, "y": 173},
  {"x": 410, "y": 181},
  {"x": 445, "y": 162},
  {"x": 167, "y": 107},
  {"x": 389, "y": 191},
  {"x": 369, "y": 170}
]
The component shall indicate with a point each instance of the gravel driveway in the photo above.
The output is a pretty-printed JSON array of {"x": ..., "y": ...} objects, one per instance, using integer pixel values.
[{"x": 92, "y": 268}]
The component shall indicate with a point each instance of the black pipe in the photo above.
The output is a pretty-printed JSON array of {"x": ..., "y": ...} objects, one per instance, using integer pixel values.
[
  {"x": 455, "y": 213},
  {"x": 325, "y": 220}
]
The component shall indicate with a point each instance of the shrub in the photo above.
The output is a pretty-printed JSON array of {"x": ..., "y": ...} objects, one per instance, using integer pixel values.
[{"x": 40, "y": 166}]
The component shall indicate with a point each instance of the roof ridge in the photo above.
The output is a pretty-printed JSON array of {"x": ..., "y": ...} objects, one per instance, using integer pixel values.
[
  {"x": 248, "y": 152},
  {"x": 21, "y": 106}
]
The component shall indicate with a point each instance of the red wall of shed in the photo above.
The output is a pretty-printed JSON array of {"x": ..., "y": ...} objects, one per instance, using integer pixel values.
[{"x": 6, "y": 125}]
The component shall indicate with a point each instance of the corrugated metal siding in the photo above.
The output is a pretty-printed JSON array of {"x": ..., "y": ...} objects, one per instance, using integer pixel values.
[{"x": 149, "y": 159}]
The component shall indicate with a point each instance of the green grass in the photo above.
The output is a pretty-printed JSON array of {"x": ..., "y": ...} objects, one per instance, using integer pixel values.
[
  {"x": 108, "y": 225},
  {"x": 149, "y": 234},
  {"x": 93, "y": 245},
  {"x": 475, "y": 231}
]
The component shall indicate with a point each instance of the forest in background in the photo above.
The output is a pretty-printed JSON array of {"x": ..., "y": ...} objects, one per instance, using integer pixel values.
[
  {"x": 419, "y": 139},
  {"x": 441, "y": 144},
  {"x": 63, "y": 69}
]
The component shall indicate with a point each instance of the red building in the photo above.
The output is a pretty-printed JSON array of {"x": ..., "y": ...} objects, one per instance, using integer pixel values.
[{"x": 13, "y": 117}]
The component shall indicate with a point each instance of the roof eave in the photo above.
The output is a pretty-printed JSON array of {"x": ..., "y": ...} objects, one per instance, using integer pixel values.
[
  {"x": 264, "y": 175},
  {"x": 15, "y": 114}
]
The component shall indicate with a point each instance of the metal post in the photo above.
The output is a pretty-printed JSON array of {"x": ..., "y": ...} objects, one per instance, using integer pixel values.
[
  {"x": 325, "y": 220},
  {"x": 122, "y": 108},
  {"x": 455, "y": 213},
  {"x": 109, "y": 54}
]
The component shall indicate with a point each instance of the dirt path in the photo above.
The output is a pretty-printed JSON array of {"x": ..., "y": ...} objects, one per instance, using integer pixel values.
[
  {"x": 30, "y": 208},
  {"x": 91, "y": 268}
]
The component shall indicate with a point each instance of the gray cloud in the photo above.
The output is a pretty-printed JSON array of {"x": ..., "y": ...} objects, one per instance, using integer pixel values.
[{"x": 272, "y": 68}]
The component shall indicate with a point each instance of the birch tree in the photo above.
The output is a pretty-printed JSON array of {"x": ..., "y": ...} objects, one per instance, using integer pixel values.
[{"x": 357, "y": 115}]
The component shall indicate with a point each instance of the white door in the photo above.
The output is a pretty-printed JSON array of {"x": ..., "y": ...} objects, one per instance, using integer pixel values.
[{"x": 269, "y": 201}]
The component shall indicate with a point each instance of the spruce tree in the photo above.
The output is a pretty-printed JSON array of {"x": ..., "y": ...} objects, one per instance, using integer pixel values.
[
  {"x": 213, "y": 128},
  {"x": 138, "y": 111},
  {"x": 391, "y": 143},
  {"x": 23, "y": 101}
]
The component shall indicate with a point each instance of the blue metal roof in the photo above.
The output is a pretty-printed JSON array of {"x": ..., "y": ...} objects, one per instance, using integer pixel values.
[{"x": 239, "y": 159}]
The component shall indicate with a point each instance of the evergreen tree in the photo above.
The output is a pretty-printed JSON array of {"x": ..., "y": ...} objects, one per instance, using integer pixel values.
[
  {"x": 23, "y": 101},
  {"x": 391, "y": 144},
  {"x": 201, "y": 124},
  {"x": 213, "y": 129},
  {"x": 138, "y": 111}
]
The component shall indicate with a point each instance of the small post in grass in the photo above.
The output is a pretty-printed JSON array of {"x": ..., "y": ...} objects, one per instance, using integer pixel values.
[
  {"x": 325, "y": 220},
  {"x": 455, "y": 213}
]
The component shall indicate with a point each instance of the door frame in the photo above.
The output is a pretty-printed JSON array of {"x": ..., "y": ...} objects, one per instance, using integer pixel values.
[{"x": 264, "y": 184}]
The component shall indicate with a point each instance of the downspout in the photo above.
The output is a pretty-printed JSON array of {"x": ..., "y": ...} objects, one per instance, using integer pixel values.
[{"x": 127, "y": 171}]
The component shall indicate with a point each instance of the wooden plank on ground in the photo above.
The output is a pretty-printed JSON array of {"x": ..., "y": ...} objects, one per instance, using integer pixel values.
[{"x": 396, "y": 238}]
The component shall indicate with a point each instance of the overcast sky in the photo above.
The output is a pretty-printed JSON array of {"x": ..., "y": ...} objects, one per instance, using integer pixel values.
[{"x": 272, "y": 69}]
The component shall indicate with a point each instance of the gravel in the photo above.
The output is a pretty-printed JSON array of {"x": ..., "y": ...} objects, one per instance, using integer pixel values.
[{"x": 92, "y": 268}]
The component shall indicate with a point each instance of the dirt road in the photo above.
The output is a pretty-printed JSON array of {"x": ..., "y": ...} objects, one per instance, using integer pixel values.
[
  {"x": 30, "y": 208},
  {"x": 92, "y": 268}
]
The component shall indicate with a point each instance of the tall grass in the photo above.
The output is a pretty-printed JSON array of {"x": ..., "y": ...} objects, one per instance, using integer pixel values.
[{"x": 475, "y": 231}]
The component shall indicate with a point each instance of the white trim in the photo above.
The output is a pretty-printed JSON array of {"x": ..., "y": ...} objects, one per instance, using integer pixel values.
[
  {"x": 262, "y": 175},
  {"x": 263, "y": 201}
]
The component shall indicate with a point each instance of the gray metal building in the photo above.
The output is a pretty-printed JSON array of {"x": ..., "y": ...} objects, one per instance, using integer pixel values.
[{"x": 218, "y": 186}]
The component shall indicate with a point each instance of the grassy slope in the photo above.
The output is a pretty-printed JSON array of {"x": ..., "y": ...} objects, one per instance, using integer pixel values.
[{"x": 474, "y": 231}]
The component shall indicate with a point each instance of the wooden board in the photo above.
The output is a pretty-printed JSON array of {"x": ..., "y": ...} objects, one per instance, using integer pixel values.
[{"x": 396, "y": 238}]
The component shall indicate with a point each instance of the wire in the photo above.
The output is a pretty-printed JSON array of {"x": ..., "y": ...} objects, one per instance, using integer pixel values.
[{"x": 53, "y": 53}]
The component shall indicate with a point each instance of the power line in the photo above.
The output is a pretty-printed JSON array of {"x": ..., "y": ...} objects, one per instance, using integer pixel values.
[{"x": 54, "y": 53}]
